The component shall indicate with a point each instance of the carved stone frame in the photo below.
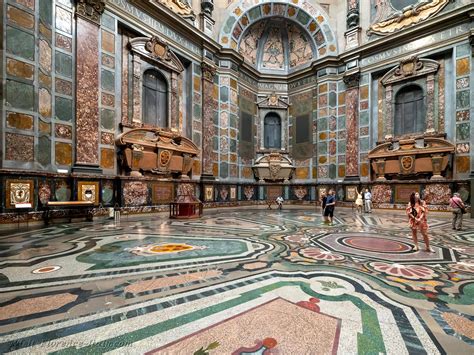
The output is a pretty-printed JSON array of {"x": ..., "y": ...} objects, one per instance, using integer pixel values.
[
  {"x": 273, "y": 103},
  {"x": 410, "y": 70}
]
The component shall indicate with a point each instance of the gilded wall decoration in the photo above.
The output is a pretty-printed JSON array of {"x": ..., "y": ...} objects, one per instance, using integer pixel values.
[
  {"x": 18, "y": 192},
  {"x": 406, "y": 16},
  {"x": 88, "y": 191},
  {"x": 208, "y": 193},
  {"x": 179, "y": 7}
]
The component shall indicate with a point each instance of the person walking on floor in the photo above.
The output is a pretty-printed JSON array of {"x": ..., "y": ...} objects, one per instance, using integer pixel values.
[
  {"x": 457, "y": 206},
  {"x": 359, "y": 202},
  {"x": 368, "y": 201},
  {"x": 416, "y": 213},
  {"x": 323, "y": 202},
  {"x": 330, "y": 204}
]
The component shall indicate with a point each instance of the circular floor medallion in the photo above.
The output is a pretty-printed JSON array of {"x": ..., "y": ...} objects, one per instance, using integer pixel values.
[
  {"x": 46, "y": 269},
  {"x": 380, "y": 245}
]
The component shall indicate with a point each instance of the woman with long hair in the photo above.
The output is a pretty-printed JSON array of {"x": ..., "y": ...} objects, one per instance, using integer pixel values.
[{"x": 416, "y": 212}]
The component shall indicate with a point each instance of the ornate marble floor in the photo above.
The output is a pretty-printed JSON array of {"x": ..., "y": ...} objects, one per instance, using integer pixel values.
[{"x": 238, "y": 281}]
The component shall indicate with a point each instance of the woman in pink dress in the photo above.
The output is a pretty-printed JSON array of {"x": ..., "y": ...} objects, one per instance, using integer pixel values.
[{"x": 416, "y": 212}]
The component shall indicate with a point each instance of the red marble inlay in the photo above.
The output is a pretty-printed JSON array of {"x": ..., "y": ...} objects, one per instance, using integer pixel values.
[
  {"x": 352, "y": 146},
  {"x": 87, "y": 107}
]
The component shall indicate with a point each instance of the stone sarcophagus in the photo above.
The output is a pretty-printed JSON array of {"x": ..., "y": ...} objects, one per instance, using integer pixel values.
[
  {"x": 426, "y": 157},
  {"x": 156, "y": 151},
  {"x": 273, "y": 167}
]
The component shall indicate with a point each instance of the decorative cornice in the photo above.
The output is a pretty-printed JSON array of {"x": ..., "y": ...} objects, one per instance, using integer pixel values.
[
  {"x": 352, "y": 80},
  {"x": 410, "y": 68},
  {"x": 179, "y": 7},
  {"x": 208, "y": 71},
  {"x": 90, "y": 10}
]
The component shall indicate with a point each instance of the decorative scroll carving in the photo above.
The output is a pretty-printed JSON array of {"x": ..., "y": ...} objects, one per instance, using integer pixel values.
[
  {"x": 208, "y": 71},
  {"x": 179, "y": 7},
  {"x": 408, "y": 17},
  {"x": 157, "y": 151},
  {"x": 413, "y": 158},
  {"x": 157, "y": 50},
  {"x": 207, "y": 6},
  {"x": 273, "y": 101},
  {"x": 273, "y": 167},
  {"x": 90, "y": 9},
  {"x": 410, "y": 68}
]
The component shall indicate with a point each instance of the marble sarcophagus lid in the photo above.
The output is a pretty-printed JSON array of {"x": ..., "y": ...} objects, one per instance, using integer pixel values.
[
  {"x": 156, "y": 151},
  {"x": 273, "y": 166},
  {"x": 424, "y": 157}
]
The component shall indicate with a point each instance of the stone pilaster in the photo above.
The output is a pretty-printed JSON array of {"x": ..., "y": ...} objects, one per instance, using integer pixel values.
[
  {"x": 430, "y": 85},
  {"x": 208, "y": 107},
  {"x": 352, "y": 126},
  {"x": 88, "y": 14},
  {"x": 388, "y": 112},
  {"x": 137, "y": 89},
  {"x": 174, "y": 102}
]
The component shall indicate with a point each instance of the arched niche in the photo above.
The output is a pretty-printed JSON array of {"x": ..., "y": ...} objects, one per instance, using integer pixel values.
[{"x": 272, "y": 115}]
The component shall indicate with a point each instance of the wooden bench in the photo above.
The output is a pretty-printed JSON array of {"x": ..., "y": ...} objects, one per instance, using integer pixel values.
[{"x": 87, "y": 205}]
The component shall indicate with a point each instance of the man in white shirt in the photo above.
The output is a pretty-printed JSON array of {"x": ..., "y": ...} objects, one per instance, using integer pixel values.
[{"x": 368, "y": 201}]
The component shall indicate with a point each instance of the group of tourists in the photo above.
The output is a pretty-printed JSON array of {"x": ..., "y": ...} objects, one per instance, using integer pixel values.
[{"x": 416, "y": 211}]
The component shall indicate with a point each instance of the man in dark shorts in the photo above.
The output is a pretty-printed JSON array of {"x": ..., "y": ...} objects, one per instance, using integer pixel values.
[{"x": 330, "y": 204}]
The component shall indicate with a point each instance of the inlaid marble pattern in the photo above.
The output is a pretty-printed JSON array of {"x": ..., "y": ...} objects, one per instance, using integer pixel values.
[
  {"x": 87, "y": 103},
  {"x": 238, "y": 281},
  {"x": 352, "y": 122}
]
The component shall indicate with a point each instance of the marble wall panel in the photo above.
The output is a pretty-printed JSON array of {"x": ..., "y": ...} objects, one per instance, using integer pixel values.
[
  {"x": 20, "y": 121},
  {"x": 87, "y": 102},
  {"x": 20, "y": 18},
  {"x": 352, "y": 124},
  {"x": 20, "y": 69},
  {"x": 63, "y": 86},
  {"x": 63, "y": 131},
  {"x": 107, "y": 158},
  {"x": 20, "y": 43},
  {"x": 19, "y": 147},
  {"x": 135, "y": 193}
]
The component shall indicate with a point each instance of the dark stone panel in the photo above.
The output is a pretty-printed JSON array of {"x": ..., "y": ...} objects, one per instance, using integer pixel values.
[
  {"x": 20, "y": 95},
  {"x": 20, "y": 43},
  {"x": 63, "y": 64},
  {"x": 63, "y": 109}
]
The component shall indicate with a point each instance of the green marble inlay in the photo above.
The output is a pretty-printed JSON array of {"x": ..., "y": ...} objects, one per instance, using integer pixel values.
[
  {"x": 463, "y": 50},
  {"x": 20, "y": 95},
  {"x": 63, "y": 64},
  {"x": 233, "y": 120},
  {"x": 108, "y": 21},
  {"x": 121, "y": 253},
  {"x": 63, "y": 193},
  {"x": 229, "y": 24},
  {"x": 462, "y": 99},
  {"x": 63, "y": 109},
  {"x": 322, "y": 148},
  {"x": 341, "y": 122},
  {"x": 215, "y": 118},
  {"x": 224, "y": 170},
  {"x": 233, "y": 145},
  {"x": 364, "y": 118},
  {"x": 323, "y": 124},
  {"x": 224, "y": 94},
  {"x": 108, "y": 80},
  {"x": 462, "y": 131},
  {"x": 197, "y": 138},
  {"x": 341, "y": 146},
  {"x": 107, "y": 194},
  {"x": 46, "y": 11},
  {"x": 332, "y": 171},
  {"x": 364, "y": 144},
  {"x": 20, "y": 43},
  {"x": 107, "y": 118},
  {"x": 302, "y": 17},
  {"x": 215, "y": 143},
  {"x": 255, "y": 13},
  {"x": 43, "y": 153},
  {"x": 332, "y": 99},
  {"x": 197, "y": 112}
]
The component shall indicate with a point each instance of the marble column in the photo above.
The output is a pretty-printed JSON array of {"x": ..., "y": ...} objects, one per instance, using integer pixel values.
[
  {"x": 87, "y": 85},
  {"x": 174, "y": 118},
  {"x": 208, "y": 107},
  {"x": 388, "y": 112},
  {"x": 137, "y": 89},
  {"x": 352, "y": 126},
  {"x": 430, "y": 85}
]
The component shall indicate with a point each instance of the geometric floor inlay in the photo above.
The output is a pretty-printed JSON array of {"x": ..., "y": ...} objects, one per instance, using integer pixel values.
[{"x": 239, "y": 281}]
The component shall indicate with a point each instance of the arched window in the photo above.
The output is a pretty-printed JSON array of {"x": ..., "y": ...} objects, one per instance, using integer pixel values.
[
  {"x": 272, "y": 131},
  {"x": 155, "y": 98},
  {"x": 409, "y": 111}
]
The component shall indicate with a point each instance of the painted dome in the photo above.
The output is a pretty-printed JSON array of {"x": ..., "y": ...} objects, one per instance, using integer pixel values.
[{"x": 277, "y": 45}]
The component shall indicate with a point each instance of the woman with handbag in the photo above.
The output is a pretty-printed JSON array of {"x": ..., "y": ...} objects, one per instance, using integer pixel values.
[
  {"x": 416, "y": 212},
  {"x": 458, "y": 209}
]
